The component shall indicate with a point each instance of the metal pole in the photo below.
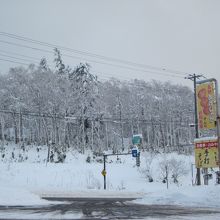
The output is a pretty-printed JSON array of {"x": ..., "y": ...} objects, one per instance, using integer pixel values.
[
  {"x": 206, "y": 179},
  {"x": 192, "y": 173},
  {"x": 138, "y": 162},
  {"x": 166, "y": 168},
  {"x": 198, "y": 176},
  {"x": 217, "y": 121},
  {"x": 104, "y": 169}
]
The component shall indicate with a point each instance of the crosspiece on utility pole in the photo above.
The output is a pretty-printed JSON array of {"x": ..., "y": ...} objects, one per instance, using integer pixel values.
[{"x": 192, "y": 76}]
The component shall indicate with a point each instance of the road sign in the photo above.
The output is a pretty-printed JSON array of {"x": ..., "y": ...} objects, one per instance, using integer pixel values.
[
  {"x": 134, "y": 152},
  {"x": 137, "y": 139},
  {"x": 103, "y": 172}
]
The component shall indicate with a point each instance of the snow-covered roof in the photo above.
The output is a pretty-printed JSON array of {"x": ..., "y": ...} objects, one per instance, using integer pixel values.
[{"x": 214, "y": 138}]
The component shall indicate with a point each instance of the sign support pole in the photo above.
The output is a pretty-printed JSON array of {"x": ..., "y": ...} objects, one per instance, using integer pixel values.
[
  {"x": 217, "y": 121},
  {"x": 104, "y": 168},
  {"x": 104, "y": 171}
]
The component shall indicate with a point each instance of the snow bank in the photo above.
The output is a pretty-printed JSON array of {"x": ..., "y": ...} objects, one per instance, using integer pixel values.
[
  {"x": 22, "y": 183},
  {"x": 19, "y": 197},
  {"x": 197, "y": 196},
  {"x": 93, "y": 194}
]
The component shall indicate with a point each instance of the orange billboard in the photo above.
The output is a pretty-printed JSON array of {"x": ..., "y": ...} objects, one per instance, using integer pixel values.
[{"x": 206, "y": 105}]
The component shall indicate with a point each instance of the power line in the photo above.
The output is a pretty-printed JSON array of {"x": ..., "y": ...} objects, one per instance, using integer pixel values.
[
  {"x": 25, "y": 46},
  {"x": 34, "y": 114},
  {"x": 22, "y": 59},
  {"x": 11, "y": 61},
  {"x": 107, "y": 76},
  {"x": 106, "y": 58},
  {"x": 80, "y": 58},
  {"x": 91, "y": 118},
  {"x": 152, "y": 72},
  {"x": 21, "y": 55},
  {"x": 32, "y": 59},
  {"x": 38, "y": 59}
]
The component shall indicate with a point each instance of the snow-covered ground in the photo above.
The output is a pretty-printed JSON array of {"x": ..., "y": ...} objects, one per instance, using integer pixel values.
[{"x": 22, "y": 183}]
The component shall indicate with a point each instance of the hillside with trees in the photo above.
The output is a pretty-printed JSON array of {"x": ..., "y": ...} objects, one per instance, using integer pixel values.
[{"x": 68, "y": 108}]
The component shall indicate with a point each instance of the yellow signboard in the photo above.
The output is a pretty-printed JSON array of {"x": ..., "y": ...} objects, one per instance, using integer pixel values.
[
  {"x": 206, "y": 153},
  {"x": 103, "y": 172},
  {"x": 206, "y": 105}
]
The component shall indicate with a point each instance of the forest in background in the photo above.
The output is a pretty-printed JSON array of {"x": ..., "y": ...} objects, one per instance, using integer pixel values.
[{"x": 70, "y": 108}]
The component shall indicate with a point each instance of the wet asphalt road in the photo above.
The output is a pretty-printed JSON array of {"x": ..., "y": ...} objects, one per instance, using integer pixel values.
[{"x": 109, "y": 209}]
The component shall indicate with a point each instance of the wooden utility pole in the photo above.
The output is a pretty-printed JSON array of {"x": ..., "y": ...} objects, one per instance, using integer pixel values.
[{"x": 194, "y": 77}]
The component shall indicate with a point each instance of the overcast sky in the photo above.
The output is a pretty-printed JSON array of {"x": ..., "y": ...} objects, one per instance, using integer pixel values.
[{"x": 179, "y": 35}]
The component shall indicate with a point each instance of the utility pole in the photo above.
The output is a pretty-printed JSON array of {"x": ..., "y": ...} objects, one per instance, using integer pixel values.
[{"x": 194, "y": 77}]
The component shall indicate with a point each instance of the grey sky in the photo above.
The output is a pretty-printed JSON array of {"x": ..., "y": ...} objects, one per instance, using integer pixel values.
[{"x": 181, "y": 35}]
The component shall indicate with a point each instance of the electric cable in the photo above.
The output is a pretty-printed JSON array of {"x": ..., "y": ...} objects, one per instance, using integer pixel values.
[{"x": 94, "y": 55}]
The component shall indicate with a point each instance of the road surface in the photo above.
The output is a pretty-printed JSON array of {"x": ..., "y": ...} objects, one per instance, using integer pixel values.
[{"x": 83, "y": 208}]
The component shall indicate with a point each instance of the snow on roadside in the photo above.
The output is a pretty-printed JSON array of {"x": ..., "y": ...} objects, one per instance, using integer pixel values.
[
  {"x": 15, "y": 196},
  {"x": 93, "y": 194},
  {"x": 192, "y": 196},
  {"x": 22, "y": 183}
]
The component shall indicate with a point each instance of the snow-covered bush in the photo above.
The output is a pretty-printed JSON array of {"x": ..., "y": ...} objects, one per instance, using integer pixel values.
[
  {"x": 61, "y": 157},
  {"x": 58, "y": 154},
  {"x": 164, "y": 170},
  {"x": 88, "y": 159},
  {"x": 92, "y": 182},
  {"x": 146, "y": 170},
  {"x": 177, "y": 169},
  {"x": 99, "y": 160},
  {"x": 172, "y": 168},
  {"x": 121, "y": 186}
]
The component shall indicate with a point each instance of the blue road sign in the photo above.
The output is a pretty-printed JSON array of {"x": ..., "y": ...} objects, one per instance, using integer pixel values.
[{"x": 134, "y": 152}]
